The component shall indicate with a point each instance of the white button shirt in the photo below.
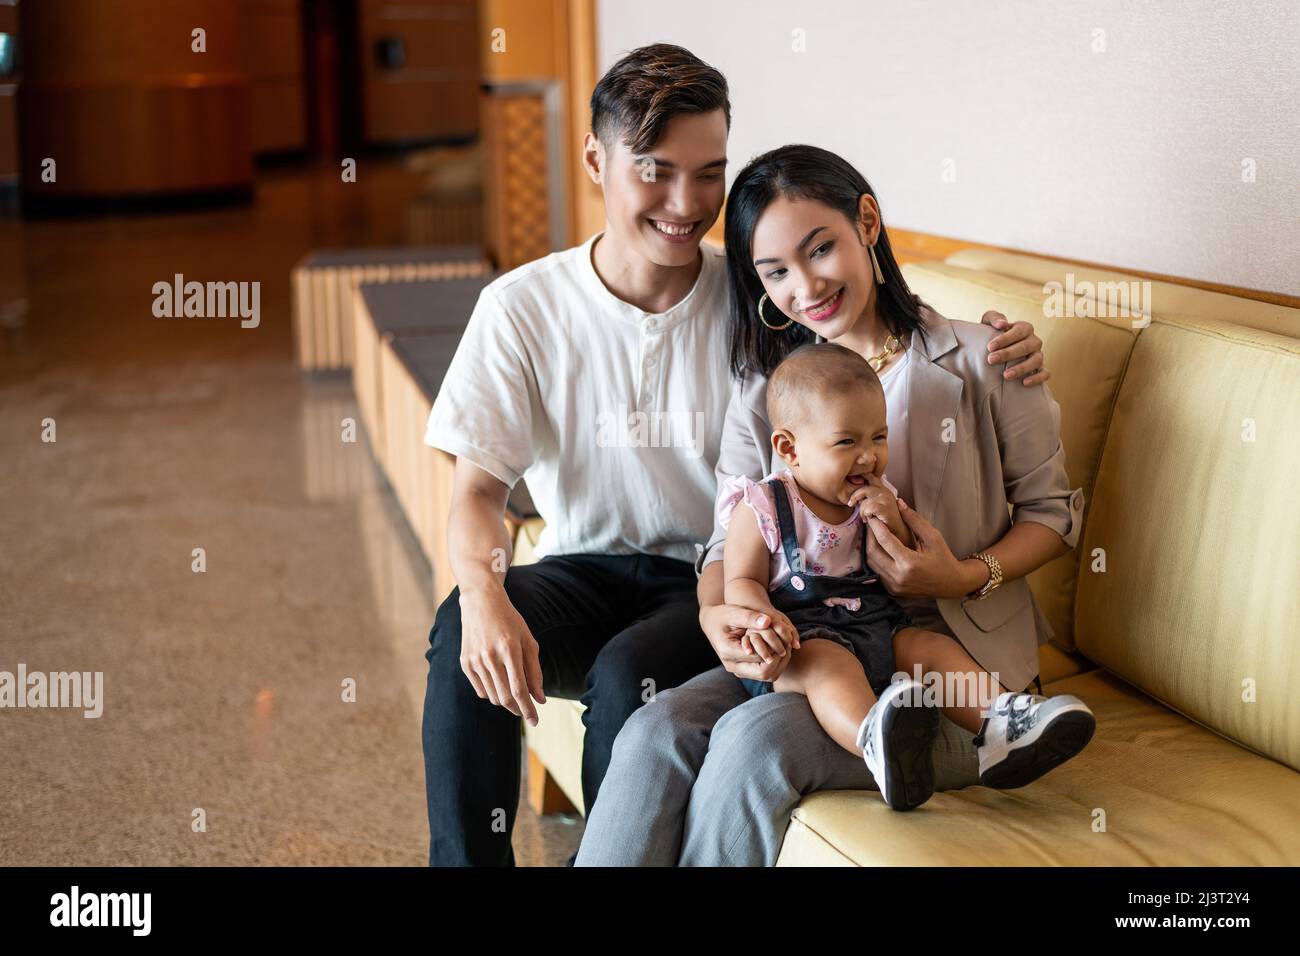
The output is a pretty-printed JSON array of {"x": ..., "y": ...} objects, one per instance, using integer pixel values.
[{"x": 613, "y": 415}]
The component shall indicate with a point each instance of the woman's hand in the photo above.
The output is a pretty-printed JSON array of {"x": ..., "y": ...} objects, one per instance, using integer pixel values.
[
  {"x": 1018, "y": 347},
  {"x": 931, "y": 570},
  {"x": 725, "y": 626}
]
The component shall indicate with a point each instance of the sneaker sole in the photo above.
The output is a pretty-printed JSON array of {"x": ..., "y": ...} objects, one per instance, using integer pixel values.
[
  {"x": 909, "y": 772},
  {"x": 1059, "y": 738}
]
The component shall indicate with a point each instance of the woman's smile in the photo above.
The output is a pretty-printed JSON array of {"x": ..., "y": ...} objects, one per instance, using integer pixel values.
[{"x": 826, "y": 308}]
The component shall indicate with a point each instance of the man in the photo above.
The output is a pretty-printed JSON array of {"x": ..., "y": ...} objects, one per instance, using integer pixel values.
[{"x": 600, "y": 373}]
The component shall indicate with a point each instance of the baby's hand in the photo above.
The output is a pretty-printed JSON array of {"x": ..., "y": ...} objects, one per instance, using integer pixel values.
[
  {"x": 771, "y": 642},
  {"x": 788, "y": 633},
  {"x": 766, "y": 643},
  {"x": 763, "y": 643},
  {"x": 875, "y": 499}
]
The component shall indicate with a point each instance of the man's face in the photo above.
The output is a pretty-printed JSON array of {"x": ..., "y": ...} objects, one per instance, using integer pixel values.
[{"x": 660, "y": 203}]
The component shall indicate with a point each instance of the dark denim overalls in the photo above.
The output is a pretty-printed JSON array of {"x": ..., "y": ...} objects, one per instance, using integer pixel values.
[{"x": 867, "y": 632}]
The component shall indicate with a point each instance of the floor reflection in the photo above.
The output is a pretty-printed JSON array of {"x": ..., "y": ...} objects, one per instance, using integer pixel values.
[{"x": 227, "y": 688}]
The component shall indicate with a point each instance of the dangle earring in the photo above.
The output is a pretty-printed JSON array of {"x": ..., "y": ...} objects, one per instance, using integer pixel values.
[{"x": 875, "y": 265}]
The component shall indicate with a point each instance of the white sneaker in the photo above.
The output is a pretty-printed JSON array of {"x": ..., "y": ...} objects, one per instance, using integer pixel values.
[
  {"x": 1024, "y": 736},
  {"x": 897, "y": 741}
]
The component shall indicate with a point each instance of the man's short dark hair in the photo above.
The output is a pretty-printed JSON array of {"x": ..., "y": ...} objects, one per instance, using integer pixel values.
[{"x": 640, "y": 93}]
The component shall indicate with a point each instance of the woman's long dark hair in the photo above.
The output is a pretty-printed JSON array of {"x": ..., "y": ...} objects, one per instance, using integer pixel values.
[{"x": 797, "y": 172}]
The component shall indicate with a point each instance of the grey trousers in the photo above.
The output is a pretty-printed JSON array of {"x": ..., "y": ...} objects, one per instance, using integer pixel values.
[{"x": 704, "y": 775}]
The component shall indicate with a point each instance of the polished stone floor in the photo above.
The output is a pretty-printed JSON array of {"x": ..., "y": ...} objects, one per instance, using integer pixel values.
[{"x": 225, "y": 737}]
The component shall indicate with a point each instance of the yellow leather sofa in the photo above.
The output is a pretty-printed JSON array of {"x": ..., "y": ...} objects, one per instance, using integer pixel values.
[{"x": 1177, "y": 619}]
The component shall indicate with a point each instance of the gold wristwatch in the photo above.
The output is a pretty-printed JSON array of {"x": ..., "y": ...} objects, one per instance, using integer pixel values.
[{"x": 995, "y": 574}]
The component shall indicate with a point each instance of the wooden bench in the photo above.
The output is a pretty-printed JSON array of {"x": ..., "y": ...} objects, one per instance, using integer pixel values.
[
  {"x": 323, "y": 284},
  {"x": 425, "y": 308},
  {"x": 406, "y": 334}
]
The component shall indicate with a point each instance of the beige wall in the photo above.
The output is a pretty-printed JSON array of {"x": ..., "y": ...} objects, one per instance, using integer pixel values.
[{"x": 1129, "y": 154}]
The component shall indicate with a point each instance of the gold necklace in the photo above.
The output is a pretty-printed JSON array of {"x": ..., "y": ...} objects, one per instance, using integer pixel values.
[{"x": 892, "y": 345}]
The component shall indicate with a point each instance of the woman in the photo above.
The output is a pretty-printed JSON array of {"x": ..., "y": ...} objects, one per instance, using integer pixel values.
[{"x": 809, "y": 259}]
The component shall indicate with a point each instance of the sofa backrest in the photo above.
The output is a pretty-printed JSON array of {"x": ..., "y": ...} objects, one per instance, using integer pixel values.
[
  {"x": 1196, "y": 516},
  {"x": 1165, "y": 298},
  {"x": 1185, "y": 436},
  {"x": 1087, "y": 358}
]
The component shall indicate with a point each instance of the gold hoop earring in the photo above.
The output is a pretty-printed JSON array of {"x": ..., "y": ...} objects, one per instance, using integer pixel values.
[
  {"x": 875, "y": 265},
  {"x": 774, "y": 328}
]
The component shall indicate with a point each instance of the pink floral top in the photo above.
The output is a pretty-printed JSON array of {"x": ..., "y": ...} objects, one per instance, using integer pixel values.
[{"x": 829, "y": 549}]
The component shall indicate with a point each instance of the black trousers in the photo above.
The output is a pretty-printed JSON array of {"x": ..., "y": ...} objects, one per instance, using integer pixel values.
[{"x": 611, "y": 630}]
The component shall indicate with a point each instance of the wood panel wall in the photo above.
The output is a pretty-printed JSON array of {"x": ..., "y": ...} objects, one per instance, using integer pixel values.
[
  {"x": 125, "y": 106},
  {"x": 273, "y": 57},
  {"x": 434, "y": 93}
]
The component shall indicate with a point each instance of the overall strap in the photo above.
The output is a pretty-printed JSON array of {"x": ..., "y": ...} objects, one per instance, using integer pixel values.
[{"x": 785, "y": 526}]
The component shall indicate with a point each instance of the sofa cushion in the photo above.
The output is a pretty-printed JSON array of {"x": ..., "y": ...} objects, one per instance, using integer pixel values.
[
  {"x": 557, "y": 738},
  {"x": 1197, "y": 517},
  {"x": 1165, "y": 297},
  {"x": 1087, "y": 359},
  {"x": 1170, "y": 793},
  {"x": 557, "y": 743}
]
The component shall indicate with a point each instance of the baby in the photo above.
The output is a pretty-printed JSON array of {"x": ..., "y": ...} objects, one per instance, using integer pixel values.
[{"x": 796, "y": 551}]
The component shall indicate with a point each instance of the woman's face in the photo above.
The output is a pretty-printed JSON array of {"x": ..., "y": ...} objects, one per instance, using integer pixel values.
[{"x": 814, "y": 264}]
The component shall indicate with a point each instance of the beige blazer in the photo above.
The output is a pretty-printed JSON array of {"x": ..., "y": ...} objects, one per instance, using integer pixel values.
[{"x": 1003, "y": 454}]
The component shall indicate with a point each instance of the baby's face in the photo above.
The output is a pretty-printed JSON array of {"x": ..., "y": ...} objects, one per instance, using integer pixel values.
[{"x": 844, "y": 442}]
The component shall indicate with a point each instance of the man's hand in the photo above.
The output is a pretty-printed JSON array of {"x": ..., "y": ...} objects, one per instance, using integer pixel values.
[
  {"x": 725, "y": 626},
  {"x": 499, "y": 654},
  {"x": 1018, "y": 347}
]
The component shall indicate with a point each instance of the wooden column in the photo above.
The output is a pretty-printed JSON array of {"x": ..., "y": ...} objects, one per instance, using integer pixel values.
[
  {"x": 527, "y": 56},
  {"x": 517, "y": 176},
  {"x": 578, "y": 66}
]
